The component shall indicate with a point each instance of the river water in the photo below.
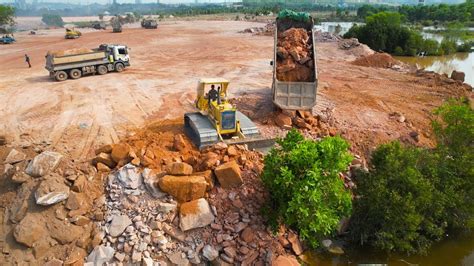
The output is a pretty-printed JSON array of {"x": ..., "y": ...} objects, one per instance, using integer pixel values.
[
  {"x": 454, "y": 250},
  {"x": 440, "y": 64}
]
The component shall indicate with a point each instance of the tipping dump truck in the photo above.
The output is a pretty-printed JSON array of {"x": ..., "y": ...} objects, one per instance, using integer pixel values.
[
  {"x": 149, "y": 23},
  {"x": 78, "y": 62},
  {"x": 116, "y": 24},
  {"x": 295, "y": 77}
]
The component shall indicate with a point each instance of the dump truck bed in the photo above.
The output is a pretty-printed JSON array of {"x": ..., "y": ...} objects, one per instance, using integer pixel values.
[
  {"x": 63, "y": 60},
  {"x": 294, "y": 95}
]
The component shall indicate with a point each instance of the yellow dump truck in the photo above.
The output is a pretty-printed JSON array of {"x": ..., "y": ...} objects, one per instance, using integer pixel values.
[
  {"x": 78, "y": 62},
  {"x": 72, "y": 34}
]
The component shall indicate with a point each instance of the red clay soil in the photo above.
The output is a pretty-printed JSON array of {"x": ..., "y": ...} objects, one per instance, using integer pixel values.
[{"x": 381, "y": 60}]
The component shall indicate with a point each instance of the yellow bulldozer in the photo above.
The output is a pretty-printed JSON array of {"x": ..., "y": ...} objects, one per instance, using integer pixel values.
[
  {"x": 72, "y": 33},
  {"x": 219, "y": 120}
]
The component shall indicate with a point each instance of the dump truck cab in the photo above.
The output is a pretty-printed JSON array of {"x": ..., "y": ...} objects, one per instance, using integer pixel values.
[{"x": 116, "y": 53}]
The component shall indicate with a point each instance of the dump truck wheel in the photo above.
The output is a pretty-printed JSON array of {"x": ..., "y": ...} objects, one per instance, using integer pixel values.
[
  {"x": 119, "y": 67},
  {"x": 101, "y": 70},
  {"x": 75, "y": 73},
  {"x": 61, "y": 76}
]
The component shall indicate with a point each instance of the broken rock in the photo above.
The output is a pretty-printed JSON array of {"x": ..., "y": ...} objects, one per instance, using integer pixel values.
[
  {"x": 43, "y": 163},
  {"x": 229, "y": 175},
  {"x": 104, "y": 158},
  {"x": 15, "y": 157},
  {"x": 129, "y": 176},
  {"x": 118, "y": 225},
  {"x": 151, "y": 180},
  {"x": 283, "y": 121},
  {"x": 51, "y": 191},
  {"x": 295, "y": 243},
  {"x": 210, "y": 253},
  {"x": 30, "y": 230},
  {"x": 195, "y": 214},
  {"x": 180, "y": 169},
  {"x": 184, "y": 188},
  {"x": 63, "y": 231},
  {"x": 101, "y": 255},
  {"x": 178, "y": 143},
  {"x": 285, "y": 261},
  {"x": 120, "y": 152}
]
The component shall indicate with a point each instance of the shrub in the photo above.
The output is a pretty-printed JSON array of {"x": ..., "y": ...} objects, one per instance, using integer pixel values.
[
  {"x": 53, "y": 20},
  {"x": 411, "y": 197},
  {"x": 306, "y": 192}
]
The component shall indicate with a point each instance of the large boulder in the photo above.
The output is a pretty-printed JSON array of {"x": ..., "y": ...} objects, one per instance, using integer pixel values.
[
  {"x": 195, "y": 214},
  {"x": 15, "y": 156},
  {"x": 43, "y": 163},
  {"x": 283, "y": 121},
  {"x": 184, "y": 188},
  {"x": 101, "y": 255},
  {"x": 229, "y": 175},
  {"x": 129, "y": 176},
  {"x": 118, "y": 225},
  {"x": 30, "y": 230},
  {"x": 51, "y": 191},
  {"x": 179, "y": 168}
]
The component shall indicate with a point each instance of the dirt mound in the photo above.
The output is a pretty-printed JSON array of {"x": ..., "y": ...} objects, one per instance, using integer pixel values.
[
  {"x": 294, "y": 56},
  {"x": 267, "y": 30},
  {"x": 70, "y": 52},
  {"x": 381, "y": 60}
]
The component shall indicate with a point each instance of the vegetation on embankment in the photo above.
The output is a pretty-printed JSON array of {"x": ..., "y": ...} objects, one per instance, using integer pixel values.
[
  {"x": 409, "y": 198},
  {"x": 384, "y": 31}
]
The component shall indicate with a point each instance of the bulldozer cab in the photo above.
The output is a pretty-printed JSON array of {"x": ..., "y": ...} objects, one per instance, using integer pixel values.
[{"x": 211, "y": 91}]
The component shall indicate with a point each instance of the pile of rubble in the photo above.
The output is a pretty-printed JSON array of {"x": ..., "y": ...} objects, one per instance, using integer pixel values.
[
  {"x": 347, "y": 44},
  {"x": 295, "y": 56},
  {"x": 324, "y": 36},
  {"x": 267, "y": 30},
  {"x": 48, "y": 201},
  {"x": 169, "y": 203},
  {"x": 380, "y": 60}
]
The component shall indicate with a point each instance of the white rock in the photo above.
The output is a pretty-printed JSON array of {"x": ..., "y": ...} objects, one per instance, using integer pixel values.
[
  {"x": 151, "y": 183},
  {"x": 194, "y": 214},
  {"x": 15, "y": 157},
  {"x": 118, "y": 225},
  {"x": 100, "y": 255},
  {"x": 166, "y": 207},
  {"x": 51, "y": 191},
  {"x": 209, "y": 253},
  {"x": 43, "y": 163},
  {"x": 128, "y": 175},
  {"x": 326, "y": 243}
]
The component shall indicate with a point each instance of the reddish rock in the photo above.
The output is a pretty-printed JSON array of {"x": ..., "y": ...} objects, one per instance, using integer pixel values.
[
  {"x": 104, "y": 149},
  {"x": 458, "y": 75},
  {"x": 247, "y": 235},
  {"x": 179, "y": 168},
  {"x": 184, "y": 188},
  {"x": 283, "y": 121},
  {"x": 209, "y": 176},
  {"x": 104, "y": 158},
  {"x": 30, "y": 230},
  {"x": 285, "y": 261},
  {"x": 232, "y": 151},
  {"x": 195, "y": 214},
  {"x": 102, "y": 168},
  {"x": 178, "y": 143},
  {"x": 229, "y": 175},
  {"x": 120, "y": 152},
  {"x": 295, "y": 243}
]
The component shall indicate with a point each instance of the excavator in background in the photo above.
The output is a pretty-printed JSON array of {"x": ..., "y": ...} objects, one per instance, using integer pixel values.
[
  {"x": 72, "y": 33},
  {"x": 116, "y": 24},
  {"x": 219, "y": 120}
]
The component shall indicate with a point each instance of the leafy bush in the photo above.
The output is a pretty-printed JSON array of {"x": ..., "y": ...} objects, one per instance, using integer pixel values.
[
  {"x": 7, "y": 15},
  {"x": 306, "y": 192},
  {"x": 53, "y": 20},
  {"x": 411, "y": 197}
]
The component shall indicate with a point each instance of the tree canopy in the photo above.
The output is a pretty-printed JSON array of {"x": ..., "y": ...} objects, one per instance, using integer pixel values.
[{"x": 7, "y": 15}]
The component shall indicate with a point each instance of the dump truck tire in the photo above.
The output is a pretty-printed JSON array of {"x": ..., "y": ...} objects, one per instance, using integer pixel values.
[
  {"x": 101, "y": 70},
  {"x": 119, "y": 67},
  {"x": 75, "y": 73},
  {"x": 60, "y": 76}
]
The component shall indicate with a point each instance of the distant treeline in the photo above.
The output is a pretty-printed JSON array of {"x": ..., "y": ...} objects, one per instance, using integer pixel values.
[{"x": 425, "y": 13}]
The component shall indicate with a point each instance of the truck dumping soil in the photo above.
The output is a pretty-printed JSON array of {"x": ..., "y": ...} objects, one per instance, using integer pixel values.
[
  {"x": 294, "y": 56},
  {"x": 381, "y": 60}
]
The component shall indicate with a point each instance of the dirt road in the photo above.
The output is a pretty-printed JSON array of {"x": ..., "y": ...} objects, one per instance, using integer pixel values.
[
  {"x": 166, "y": 63},
  {"x": 77, "y": 115}
]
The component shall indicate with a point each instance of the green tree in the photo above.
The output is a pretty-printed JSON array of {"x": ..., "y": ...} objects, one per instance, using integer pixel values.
[
  {"x": 7, "y": 15},
  {"x": 411, "y": 197},
  {"x": 52, "y": 20},
  {"x": 306, "y": 192}
]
